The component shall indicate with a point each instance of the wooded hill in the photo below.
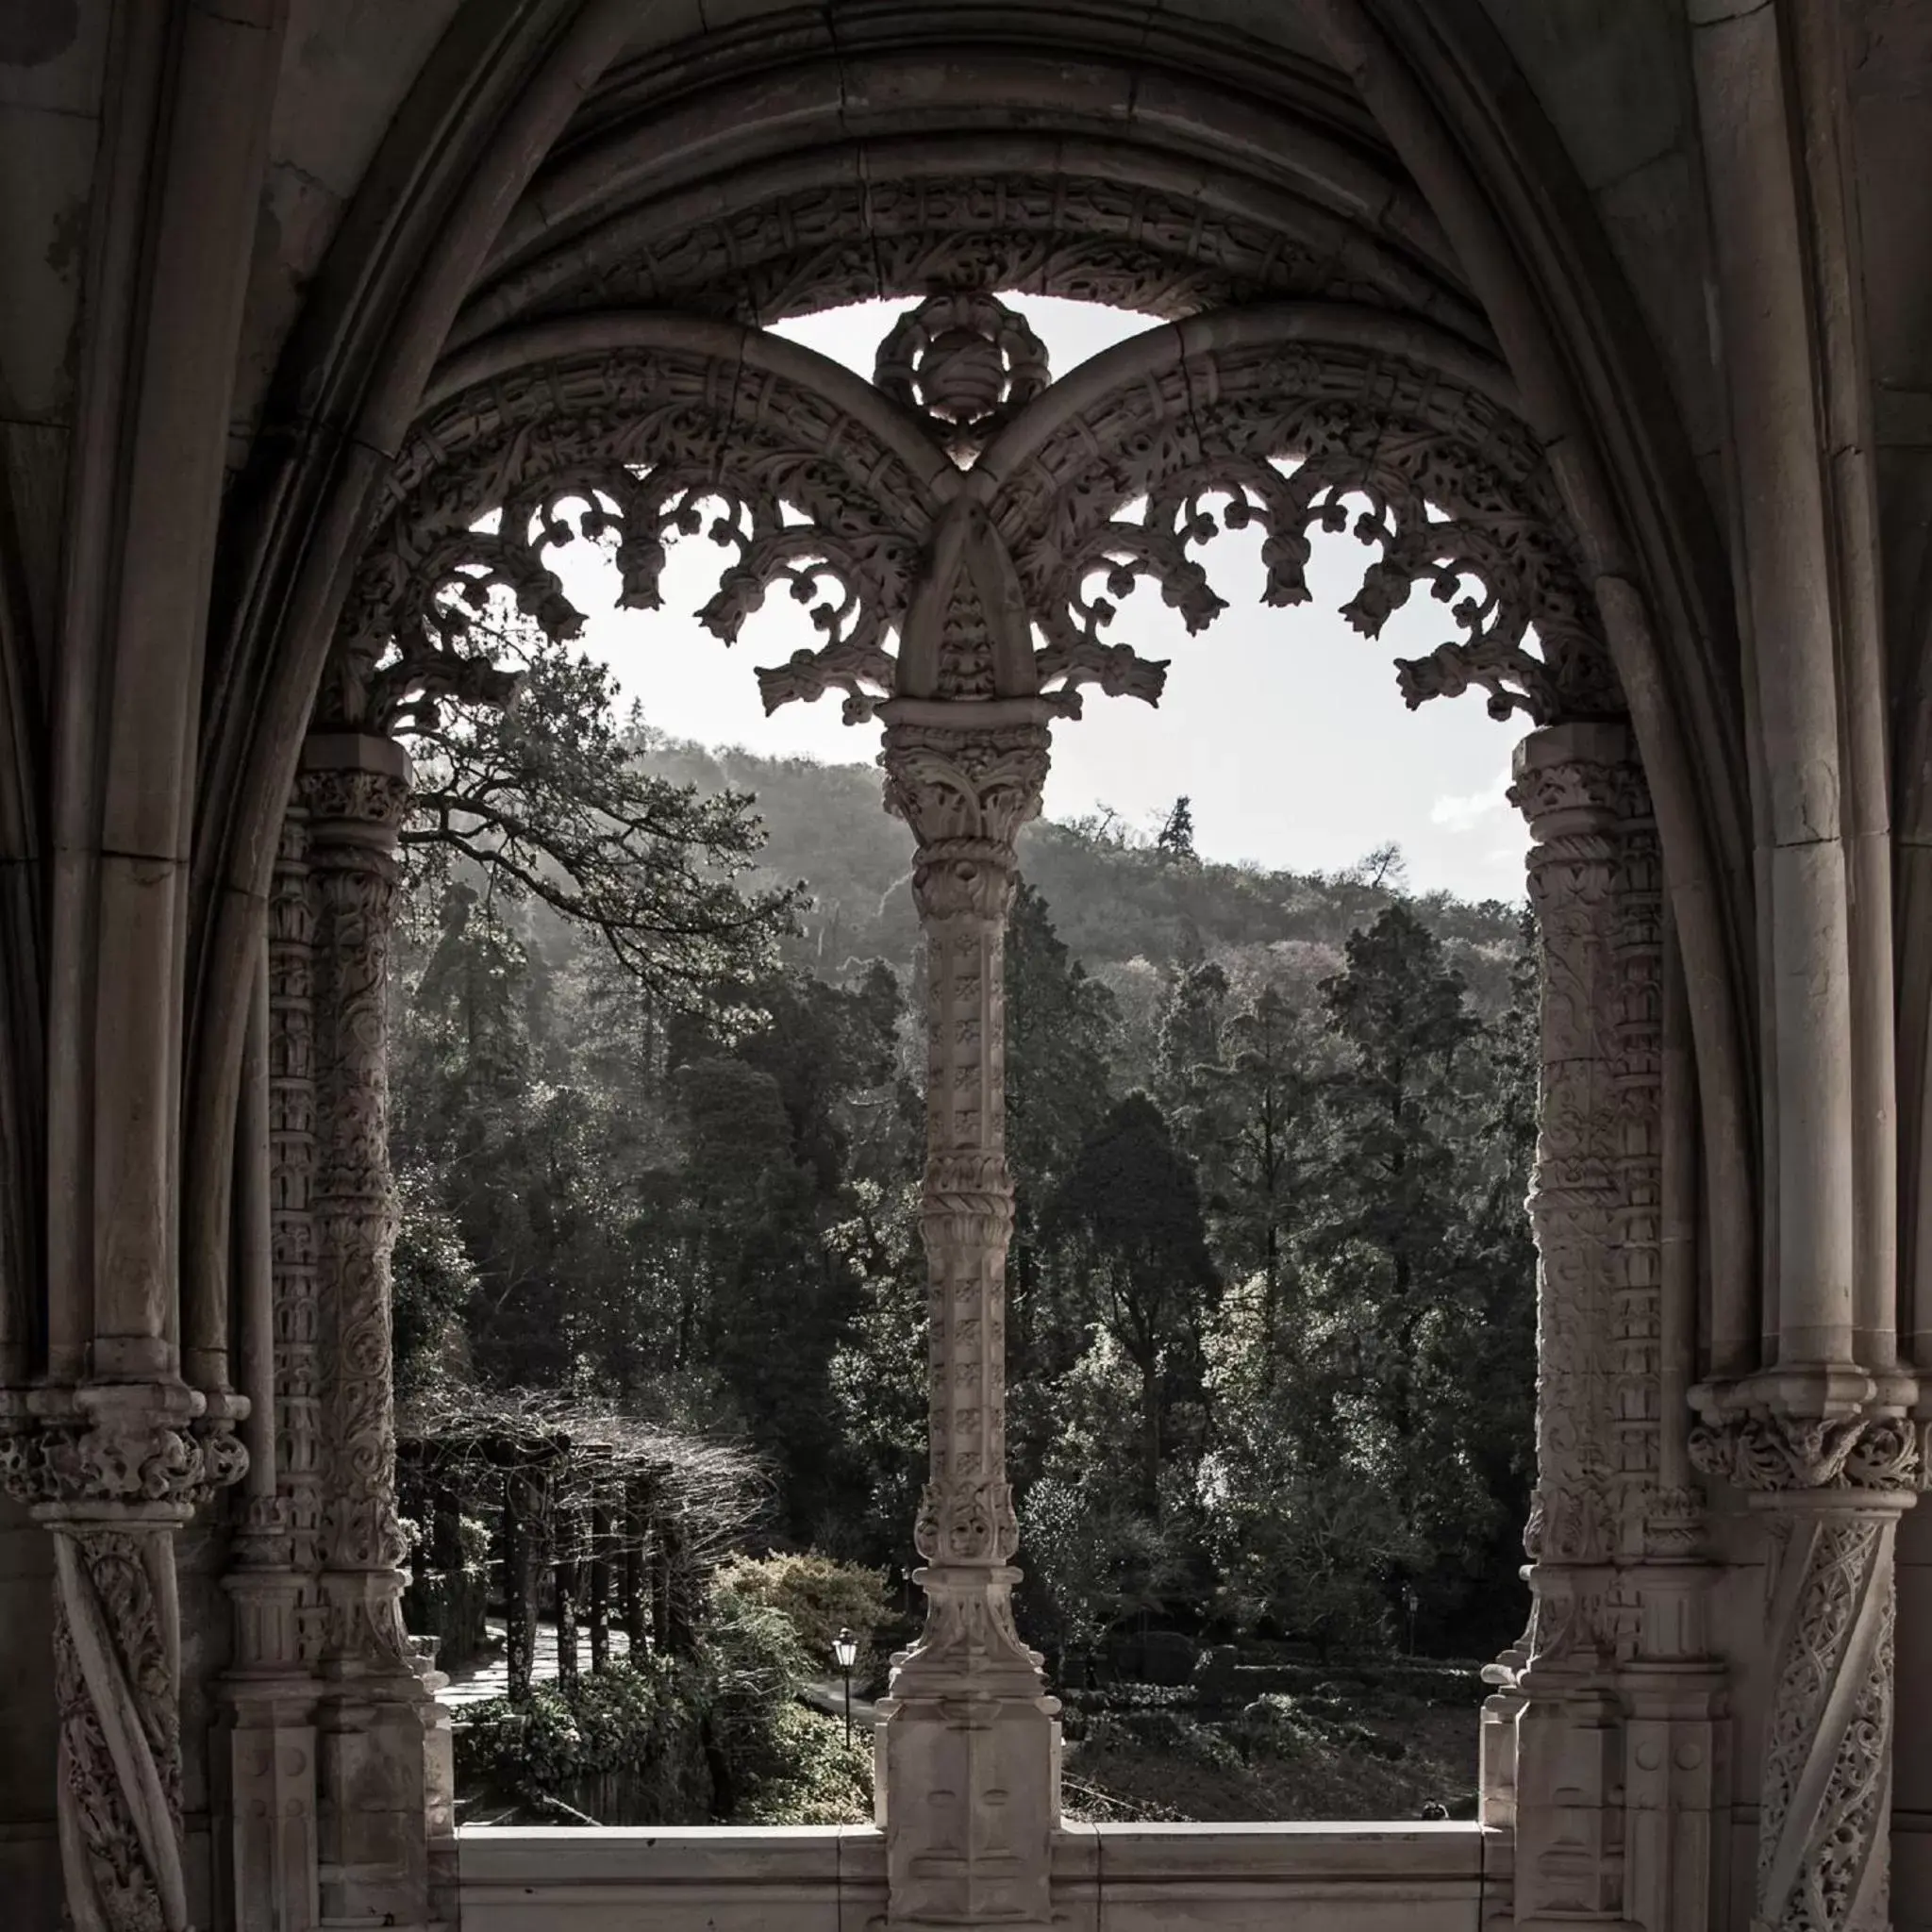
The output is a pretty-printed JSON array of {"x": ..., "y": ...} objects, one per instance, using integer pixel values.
[
  {"x": 1270, "y": 1134},
  {"x": 1119, "y": 903}
]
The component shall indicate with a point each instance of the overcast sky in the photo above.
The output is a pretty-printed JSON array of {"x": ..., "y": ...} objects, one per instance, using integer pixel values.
[{"x": 1283, "y": 727}]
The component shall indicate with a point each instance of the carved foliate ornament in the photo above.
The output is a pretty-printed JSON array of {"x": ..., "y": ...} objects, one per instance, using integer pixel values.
[
  {"x": 147, "y": 1452},
  {"x": 116, "y": 1684},
  {"x": 816, "y": 498},
  {"x": 631, "y": 450},
  {"x": 1085, "y": 237},
  {"x": 1448, "y": 491},
  {"x": 1770, "y": 1452}
]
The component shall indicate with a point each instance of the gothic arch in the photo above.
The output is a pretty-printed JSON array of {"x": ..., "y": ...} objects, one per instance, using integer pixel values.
[
  {"x": 1308, "y": 205},
  {"x": 1334, "y": 210}
]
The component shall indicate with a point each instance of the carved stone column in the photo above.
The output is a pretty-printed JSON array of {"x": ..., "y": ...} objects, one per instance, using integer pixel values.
[
  {"x": 292, "y": 1236},
  {"x": 266, "y": 1771},
  {"x": 1600, "y": 1745},
  {"x": 113, "y": 1471},
  {"x": 969, "y": 1742},
  {"x": 386, "y": 1777},
  {"x": 1832, "y": 1491}
]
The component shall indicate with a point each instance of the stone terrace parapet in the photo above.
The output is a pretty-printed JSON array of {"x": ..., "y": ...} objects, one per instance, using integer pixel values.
[{"x": 1416, "y": 1878}]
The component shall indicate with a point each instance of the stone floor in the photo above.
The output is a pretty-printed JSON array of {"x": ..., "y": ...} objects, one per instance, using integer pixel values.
[{"x": 491, "y": 1677}]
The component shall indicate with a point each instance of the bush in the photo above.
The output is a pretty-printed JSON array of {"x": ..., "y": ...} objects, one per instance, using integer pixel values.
[
  {"x": 816, "y": 1778},
  {"x": 818, "y": 1597},
  {"x": 658, "y": 1740},
  {"x": 625, "y": 1747}
]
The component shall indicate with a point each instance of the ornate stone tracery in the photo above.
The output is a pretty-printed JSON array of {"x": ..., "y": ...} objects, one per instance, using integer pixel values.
[
  {"x": 1292, "y": 421},
  {"x": 939, "y": 520},
  {"x": 1441, "y": 483}
]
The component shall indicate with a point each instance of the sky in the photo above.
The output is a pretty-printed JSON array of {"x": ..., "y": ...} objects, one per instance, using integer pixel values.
[{"x": 1284, "y": 729}]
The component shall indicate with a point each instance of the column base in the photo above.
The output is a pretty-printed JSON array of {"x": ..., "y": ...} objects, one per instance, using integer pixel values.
[
  {"x": 385, "y": 1772},
  {"x": 969, "y": 1787},
  {"x": 968, "y": 1754}
]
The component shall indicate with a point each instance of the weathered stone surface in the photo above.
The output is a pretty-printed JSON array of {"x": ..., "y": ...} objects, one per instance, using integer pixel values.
[{"x": 1615, "y": 309}]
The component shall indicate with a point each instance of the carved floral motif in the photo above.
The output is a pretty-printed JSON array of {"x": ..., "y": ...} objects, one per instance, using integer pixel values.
[
  {"x": 1768, "y": 1452},
  {"x": 299, "y": 1427},
  {"x": 632, "y": 448},
  {"x": 1085, "y": 237}
]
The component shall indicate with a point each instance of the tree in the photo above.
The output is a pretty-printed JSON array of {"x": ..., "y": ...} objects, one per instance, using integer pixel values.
[
  {"x": 1059, "y": 1027},
  {"x": 547, "y": 798},
  {"x": 1262, "y": 1094},
  {"x": 1131, "y": 1215},
  {"x": 1402, "y": 1276},
  {"x": 1174, "y": 841}
]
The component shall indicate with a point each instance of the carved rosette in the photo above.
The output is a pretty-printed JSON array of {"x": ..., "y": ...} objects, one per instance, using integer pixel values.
[
  {"x": 1836, "y": 1489},
  {"x": 356, "y": 791},
  {"x": 966, "y": 792}
]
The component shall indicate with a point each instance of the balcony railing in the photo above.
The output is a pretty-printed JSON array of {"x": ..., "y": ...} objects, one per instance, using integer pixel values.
[{"x": 1396, "y": 1877}]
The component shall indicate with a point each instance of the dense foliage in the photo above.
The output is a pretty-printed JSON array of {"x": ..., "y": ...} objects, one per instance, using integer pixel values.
[{"x": 1271, "y": 1327}]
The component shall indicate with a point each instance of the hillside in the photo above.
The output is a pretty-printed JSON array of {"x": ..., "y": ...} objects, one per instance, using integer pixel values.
[{"x": 1127, "y": 911}]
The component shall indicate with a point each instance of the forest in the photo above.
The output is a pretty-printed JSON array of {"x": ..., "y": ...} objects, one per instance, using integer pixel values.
[{"x": 656, "y": 1128}]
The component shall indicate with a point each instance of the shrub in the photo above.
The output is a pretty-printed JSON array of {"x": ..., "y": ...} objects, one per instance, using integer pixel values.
[
  {"x": 626, "y": 1746},
  {"x": 818, "y": 1597}
]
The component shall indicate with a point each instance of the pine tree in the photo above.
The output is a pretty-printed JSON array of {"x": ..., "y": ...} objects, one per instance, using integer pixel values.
[{"x": 1131, "y": 1215}]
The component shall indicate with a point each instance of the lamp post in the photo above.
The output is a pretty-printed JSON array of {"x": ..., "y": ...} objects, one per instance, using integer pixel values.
[{"x": 845, "y": 1653}]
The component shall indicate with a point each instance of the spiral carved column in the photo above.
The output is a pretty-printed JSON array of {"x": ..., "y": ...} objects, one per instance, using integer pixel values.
[
  {"x": 1832, "y": 1493},
  {"x": 113, "y": 1471},
  {"x": 969, "y": 1740}
]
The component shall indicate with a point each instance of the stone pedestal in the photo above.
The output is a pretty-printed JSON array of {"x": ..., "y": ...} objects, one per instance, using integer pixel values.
[{"x": 265, "y": 1754}]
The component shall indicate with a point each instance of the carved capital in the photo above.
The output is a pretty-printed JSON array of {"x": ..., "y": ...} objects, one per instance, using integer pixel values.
[
  {"x": 135, "y": 1449},
  {"x": 1577, "y": 779},
  {"x": 1768, "y": 1452},
  {"x": 965, "y": 789},
  {"x": 353, "y": 792}
]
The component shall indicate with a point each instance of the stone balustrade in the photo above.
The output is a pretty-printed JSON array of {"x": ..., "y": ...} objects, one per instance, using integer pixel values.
[{"x": 1106, "y": 1878}]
